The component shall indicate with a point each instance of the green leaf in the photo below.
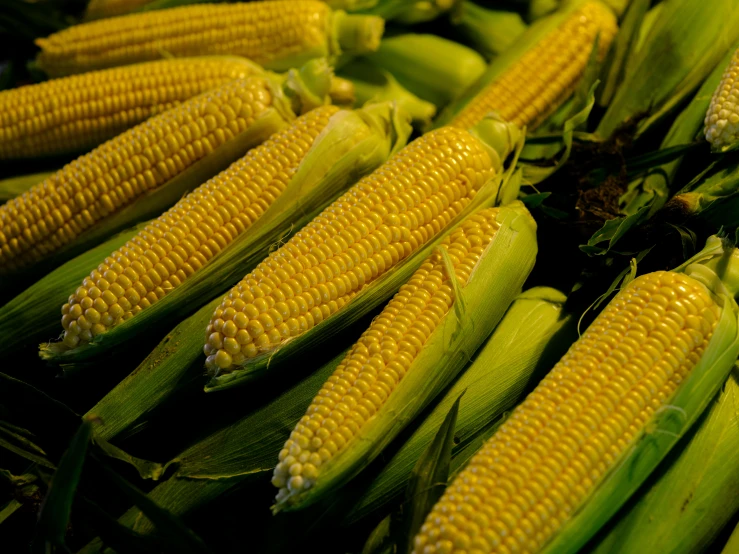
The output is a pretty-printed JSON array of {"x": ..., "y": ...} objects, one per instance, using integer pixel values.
[
  {"x": 51, "y": 528},
  {"x": 428, "y": 481},
  {"x": 170, "y": 527},
  {"x": 115, "y": 535},
  {"x": 380, "y": 540}
]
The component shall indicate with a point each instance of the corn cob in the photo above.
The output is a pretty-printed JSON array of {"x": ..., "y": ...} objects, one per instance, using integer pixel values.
[
  {"x": 532, "y": 335},
  {"x": 693, "y": 495},
  {"x": 722, "y": 118},
  {"x": 77, "y": 113},
  {"x": 210, "y": 237},
  {"x": 154, "y": 163},
  {"x": 540, "y": 71},
  {"x": 431, "y": 67},
  {"x": 595, "y": 427},
  {"x": 99, "y": 9},
  {"x": 276, "y": 35},
  {"x": 367, "y": 232},
  {"x": 409, "y": 353}
]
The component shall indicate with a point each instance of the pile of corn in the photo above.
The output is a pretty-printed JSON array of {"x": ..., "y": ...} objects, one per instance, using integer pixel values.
[{"x": 471, "y": 271}]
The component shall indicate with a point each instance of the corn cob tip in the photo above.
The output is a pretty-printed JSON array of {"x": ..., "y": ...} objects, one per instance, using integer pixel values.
[
  {"x": 358, "y": 34},
  {"x": 722, "y": 119}
]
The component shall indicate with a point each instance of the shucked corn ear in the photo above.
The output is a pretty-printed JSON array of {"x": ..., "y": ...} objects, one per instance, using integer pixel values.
[
  {"x": 532, "y": 335},
  {"x": 412, "y": 350},
  {"x": 595, "y": 427},
  {"x": 276, "y": 35},
  {"x": 79, "y": 112},
  {"x": 540, "y": 71},
  {"x": 180, "y": 148},
  {"x": 722, "y": 118},
  {"x": 693, "y": 494},
  {"x": 379, "y": 222},
  {"x": 220, "y": 230}
]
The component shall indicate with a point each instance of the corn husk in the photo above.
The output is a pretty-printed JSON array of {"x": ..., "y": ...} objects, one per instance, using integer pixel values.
[
  {"x": 491, "y": 31},
  {"x": 531, "y": 337},
  {"x": 353, "y": 144},
  {"x": 732, "y": 545},
  {"x": 433, "y": 68},
  {"x": 374, "y": 84},
  {"x": 477, "y": 309},
  {"x": 686, "y": 43},
  {"x": 693, "y": 495},
  {"x": 15, "y": 186}
]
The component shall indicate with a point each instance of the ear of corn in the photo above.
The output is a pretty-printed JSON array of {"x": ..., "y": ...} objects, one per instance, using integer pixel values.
[
  {"x": 373, "y": 84},
  {"x": 540, "y": 71},
  {"x": 26, "y": 319},
  {"x": 412, "y": 350},
  {"x": 354, "y": 254},
  {"x": 76, "y": 113},
  {"x": 532, "y": 335},
  {"x": 276, "y": 35},
  {"x": 683, "y": 67},
  {"x": 600, "y": 422},
  {"x": 722, "y": 117},
  {"x": 693, "y": 495},
  {"x": 137, "y": 174},
  {"x": 433, "y": 68},
  {"x": 491, "y": 31},
  {"x": 197, "y": 249}
]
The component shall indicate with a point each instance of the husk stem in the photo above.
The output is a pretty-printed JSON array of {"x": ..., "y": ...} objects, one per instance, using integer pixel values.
[
  {"x": 534, "y": 333},
  {"x": 370, "y": 296},
  {"x": 293, "y": 92},
  {"x": 433, "y": 68},
  {"x": 374, "y": 84},
  {"x": 352, "y": 145},
  {"x": 493, "y": 285},
  {"x": 692, "y": 496},
  {"x": 491, "y": 31},
  {"x": 715, "y": 267},
  {"x": 686, "y": 43}
]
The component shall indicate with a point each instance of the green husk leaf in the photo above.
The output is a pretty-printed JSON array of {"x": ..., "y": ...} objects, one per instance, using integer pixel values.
[
  {"x": 615, "y": 64},
  {"x": 732, "y": 545},
  {"x": 715, "y": 267},
  {"x": 494, "y": 283},
  {"x": 491, "y": 31},
  {"x": 686, "y": 43},
  {"x": 33, "y": 315},
  {"x": 692, "y": 496},
  {"x": 51, "y": 528},
  {"x": 530, "y": 338},
  {"x": 374, "y": 84},
  {"x": 431, "y": 67},
  {"x": 650, "y": 18},
  {"x": 181, "y": 538},
  {"x": 428, "y": 480},
  {"x": 379, "y": 541},
  {"x": 15, "y": 186},
  {"x": 119, "y": 537},
  {"x": 353, "y": 144}
]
